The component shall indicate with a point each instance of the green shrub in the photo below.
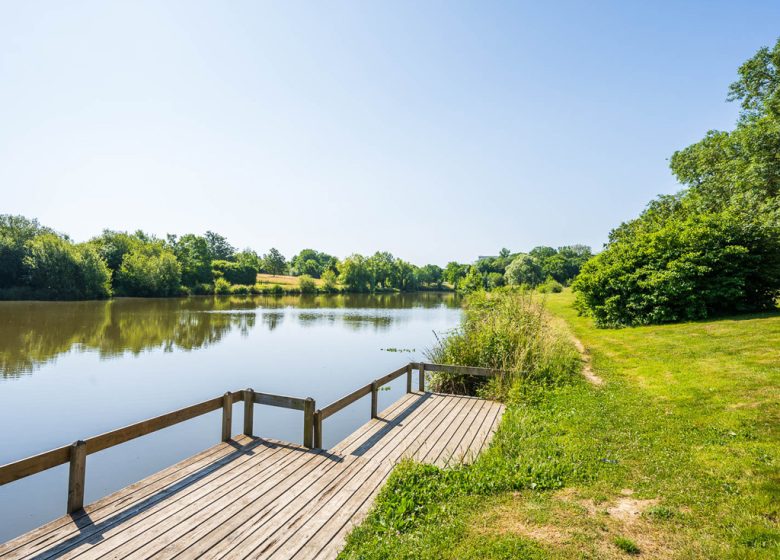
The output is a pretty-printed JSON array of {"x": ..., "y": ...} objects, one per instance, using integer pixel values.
[
  {"x": 550, "y": 286},
  {"x": 234, "y": 272},
  {"x": 239, "y": 289},
  {"x": 330, "y": 282},
  {"x": 149, "y": 273},
  {"x": 221, "y": 287},
  {"x": 276, "y": 290},
  {"x": 306, "y": 284},
  {"x": 58, "y": 269},
  {"x": 686, "y": 268}
]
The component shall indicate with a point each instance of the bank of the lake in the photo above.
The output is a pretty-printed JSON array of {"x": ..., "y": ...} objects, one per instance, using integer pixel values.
[
  {"x": 676, "y": 455},
  {"x": 70, "y": 370}
]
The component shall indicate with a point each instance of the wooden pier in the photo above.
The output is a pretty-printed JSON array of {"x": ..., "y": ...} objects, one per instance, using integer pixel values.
[{"x": 250, "y": 497}]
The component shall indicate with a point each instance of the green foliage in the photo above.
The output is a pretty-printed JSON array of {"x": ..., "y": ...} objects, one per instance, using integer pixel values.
[
  {"x": 307, "y": 284},
  {"x": 354, "y": 274},
  {"x": 239, "y": 289},
  {"x": 524, "y": 270},
  {"x": 219, "y": 248},
  {"x": 57, "y": 269},
  {"x": 15, "y": 232},
  {"x": 713, "y": 248},
  {"x": 330, "y": 282},
  {"x": 235, "y": 272},
  {"x": 507, "y": 330},
  {"x": 149, "y": 272},
  {"x": 221, "y": 287},
  {"x": 274, "y": 262},
  {"x": 550, "y": 286},
  {"x": 194, "y": 255},
  {"x": 626, "y": 545},
  {"x": 313, "y": 263}
]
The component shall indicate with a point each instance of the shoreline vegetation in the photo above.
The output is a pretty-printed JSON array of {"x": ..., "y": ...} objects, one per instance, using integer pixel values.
[{"x": 37, "y": 263}]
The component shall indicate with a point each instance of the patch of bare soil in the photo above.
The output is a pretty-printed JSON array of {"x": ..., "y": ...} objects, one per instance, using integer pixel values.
[{"x": 577, "y": 527}]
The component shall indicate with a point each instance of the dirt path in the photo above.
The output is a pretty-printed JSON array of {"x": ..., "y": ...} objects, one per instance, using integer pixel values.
[{"x": 587, "y": 368}]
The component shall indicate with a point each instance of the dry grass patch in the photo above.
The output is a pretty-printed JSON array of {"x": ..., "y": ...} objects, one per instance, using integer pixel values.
[{"x": 574, "y": 527}]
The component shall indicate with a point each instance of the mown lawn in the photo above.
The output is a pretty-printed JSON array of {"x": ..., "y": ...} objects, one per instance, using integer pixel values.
[{"x": 677, "y": 455}]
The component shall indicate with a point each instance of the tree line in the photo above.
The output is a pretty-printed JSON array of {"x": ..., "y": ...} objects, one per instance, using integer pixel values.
[
  {"x": 38, "y": 263},
  {"x": 714, "y": 247}
]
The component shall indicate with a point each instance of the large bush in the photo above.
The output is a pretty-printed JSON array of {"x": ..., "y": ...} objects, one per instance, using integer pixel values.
[
  {"x": 235, "y": 272},
  {"x": 58, "y": 269},
  {"x": 714, "y": 248},
  {"x": 148, "y": 273}
]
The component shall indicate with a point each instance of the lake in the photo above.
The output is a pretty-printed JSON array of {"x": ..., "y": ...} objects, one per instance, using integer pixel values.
[{"x": 71, "y": 370}]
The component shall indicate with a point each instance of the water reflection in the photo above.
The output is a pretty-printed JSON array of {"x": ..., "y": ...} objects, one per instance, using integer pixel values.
[{"x": 34, "y": 333}]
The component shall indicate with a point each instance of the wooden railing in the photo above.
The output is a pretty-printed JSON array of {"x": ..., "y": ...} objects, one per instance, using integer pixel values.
[
  {"x": 76, "y": 453},
  {"x": 373, "y": 389}
]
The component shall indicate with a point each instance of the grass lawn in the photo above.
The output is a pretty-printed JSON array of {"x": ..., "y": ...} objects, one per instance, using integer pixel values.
[{"x": 676, "y": 455}]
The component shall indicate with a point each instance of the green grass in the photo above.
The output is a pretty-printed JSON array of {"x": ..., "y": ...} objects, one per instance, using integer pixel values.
[{"x": 678, "y": 453}]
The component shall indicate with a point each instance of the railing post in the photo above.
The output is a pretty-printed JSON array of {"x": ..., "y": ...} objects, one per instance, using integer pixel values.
[
  {"x": 227, "y": 416},
  {"x": 318, "y": 430},
  {"x": 308, "y": 422},
  {"x": 422, "y": 378},
  {"x": 409, "y": 378},
  {"x": 249, "y": 411},
  {"x": 78, "y": 469},
  {"x": 374, "y": 399}
]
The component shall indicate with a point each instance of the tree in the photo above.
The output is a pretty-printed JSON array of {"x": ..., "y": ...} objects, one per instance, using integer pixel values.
[
  {"x": 714, "y": 247},
  {"x": 431, "y": 275},
  {"x": 60, "y": 270},
  {"x": 274, "y": 262},
  {"x": 354, "y": 273},
  {"x": 194, "y": 255},
  {"x": 219, "y": 247},
  {"x": 15, "y": 232},
  {"x": 524, "y": 270},
  {"x": 234, "y": 272},
  {"x": 454, "y": 272},
  {"x": 149, "y": 273}
]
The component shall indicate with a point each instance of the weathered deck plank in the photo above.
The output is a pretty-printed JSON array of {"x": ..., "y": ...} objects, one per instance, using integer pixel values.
[{"x": 256, "y": 498}]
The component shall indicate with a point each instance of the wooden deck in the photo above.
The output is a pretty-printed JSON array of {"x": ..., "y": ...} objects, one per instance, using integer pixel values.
[{"x": 259, "y": 498}]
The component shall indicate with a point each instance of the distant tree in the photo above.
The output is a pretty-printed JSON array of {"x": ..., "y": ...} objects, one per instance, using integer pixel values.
[
  {"x": 194, "y": 255},
  {"x": 149, "y": 273},
  {"x": 454, "y": 272},
  {"x": 354, "y": 273},
  {"x": 473, "y": 281},
  {"x": 382, "y": 270},
  {"x": 219, "y": 247},
  {"x": 524, "y": 269},
  {"x": 274, "y": 262},
  {"x": 235, "y": 272},
  {"x": 58, "y": 269},
  {"x": 431, "y": 275},
  {"x": 329, "y": 281},
  {"x": 15, "y": 232}
]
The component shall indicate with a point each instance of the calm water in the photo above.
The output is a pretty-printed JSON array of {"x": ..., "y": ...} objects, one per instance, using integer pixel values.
[{"x": 75, "y": 369}]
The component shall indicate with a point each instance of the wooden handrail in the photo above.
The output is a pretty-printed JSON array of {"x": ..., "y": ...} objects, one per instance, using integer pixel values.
[
  {"x": 373, "y": 388},
  {"x": 76, "y": 453}
]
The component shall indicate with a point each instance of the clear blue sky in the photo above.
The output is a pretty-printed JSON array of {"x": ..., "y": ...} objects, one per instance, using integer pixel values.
[{"x": 434, "y": 130}]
